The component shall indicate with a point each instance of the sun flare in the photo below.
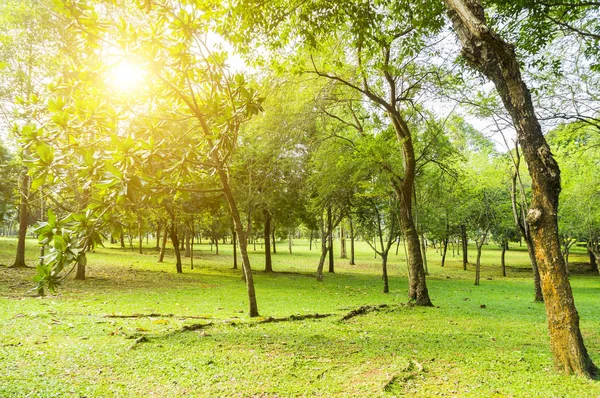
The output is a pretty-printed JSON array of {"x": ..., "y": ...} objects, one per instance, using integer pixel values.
[{"x": 126, "y": 75}]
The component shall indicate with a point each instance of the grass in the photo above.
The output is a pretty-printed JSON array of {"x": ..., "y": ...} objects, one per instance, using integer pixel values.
[{"x": 70, "y": 343}]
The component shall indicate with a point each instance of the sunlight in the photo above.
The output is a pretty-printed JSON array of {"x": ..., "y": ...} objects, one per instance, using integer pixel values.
[{"x": 126, "y": 75}]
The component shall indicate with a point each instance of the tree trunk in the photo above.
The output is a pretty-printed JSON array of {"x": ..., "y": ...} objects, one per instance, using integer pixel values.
[
  {"x": 188, "y": 238},
  {"x": 330, "y": 239},
  {"x": 234, "y": 239},
  {"x": 424, "y": 250},
  {"x": 343, "y": 253},
  {"x": 487, "y": 52},
  {"x": 23, "y": 221},
  {"x": 267, "y": 236},
  {"x": 80, "y": 275},
  {"x": 175, "y": 241},
  {"x": 479, "y": 245},
  {"x": 122, "y": 239},
  {"x": 243, "y": 241},
  {"x": 539, "y": 297},
  {"x": 352, "y": 243},
  {"x": 290, "y": 241},
  {"x": 444, "y": 251},
  {"x": 324, "y": 251},
  {"x": 163, "y": 246},
  {"x": 593, "y": 261},
  {"x": 216, "y": 246},
  {"x": 464, "y": 241},
  {"x": 386, "y": 285},
  {"x": 157, "y": 237},
  {"x": 417, "y": 287},
  {"x": 193, "y": 234},
  {"x": 140, "y": 236},
  {"x": 503, "y": 257},
  {"x": 273, "y": 239},
  {"x": 310, "y": 239}
]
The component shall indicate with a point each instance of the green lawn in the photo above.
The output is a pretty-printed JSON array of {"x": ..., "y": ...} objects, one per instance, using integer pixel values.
[{"x": 71, "y": 343}]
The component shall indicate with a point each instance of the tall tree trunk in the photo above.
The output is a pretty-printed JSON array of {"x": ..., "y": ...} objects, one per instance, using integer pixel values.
[
  {"x": 80, "y": 274},
  {"x": 122, "y": 239},
  {"x": 310, "y": 239},
  {"x": 593, "y": 260},
  {"x": 324, "y": 251},
  {"x": 330, "y": 239},
  {"x": 234, "y": 239},
  {"x": 188, "y": 239},
  {"x": 157, "y": 237},
  {"x": 417, "y": 287},
  {"x": 23, "y": 221},
  {"x": 464, "y": 241},
  {"x": 216, "y": 246},
  {"x": 175, "y": 241},
  {"x": 444, "y": 251},
  {"x": 193, "y": 234},
  {"x": 479, "y": 245},
  {"x": 267, "y": 236},
  {"x": 140, "y": 235},
  {"x": 539, "y": 296},
  {"x": 352, "y": 242},
  {"x": 424, "y": 250},
  {"x": 163, "y": 246},
  {"x": 386, "y": 284},
  {"x": 503, "y": 257},
  {"x": 487, "y": 52},
  {"x": 343, "y": 253},
  {"x": 242, "y": 240},
  {"x": 290, "y": 241},
  {"x": 273, "y": 238}
]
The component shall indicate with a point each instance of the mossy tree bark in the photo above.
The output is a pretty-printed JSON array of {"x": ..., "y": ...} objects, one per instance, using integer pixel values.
[{"x": 487, "y": 52}]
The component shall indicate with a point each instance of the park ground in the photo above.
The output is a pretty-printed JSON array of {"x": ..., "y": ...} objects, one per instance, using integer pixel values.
[{"x": 135, "y": 328}]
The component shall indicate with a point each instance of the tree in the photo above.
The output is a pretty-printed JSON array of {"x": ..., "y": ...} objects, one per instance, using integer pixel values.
[
  {"x": 188, "y": 83},
  {"x": 376, "y": 216},
  {"x": 576, "y": 147},
  {"x": 485, "y": 51},
  {"x": 374, "y": 50},
  {"x": 30, "y": 35}
]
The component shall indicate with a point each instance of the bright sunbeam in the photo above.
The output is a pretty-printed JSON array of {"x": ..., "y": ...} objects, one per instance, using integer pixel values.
[{"x": 126, "y": 75}]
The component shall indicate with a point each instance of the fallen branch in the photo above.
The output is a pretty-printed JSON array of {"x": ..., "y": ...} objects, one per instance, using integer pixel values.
[
  {"x": 196, "y": 326},
  {"x": 152, "y": 315},
  {"x": 365, "y": 309},
  {"x": 295, "y": 318}
]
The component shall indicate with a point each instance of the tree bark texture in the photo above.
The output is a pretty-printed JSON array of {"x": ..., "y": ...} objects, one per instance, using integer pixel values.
[{"x": 487, "y": 52}]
